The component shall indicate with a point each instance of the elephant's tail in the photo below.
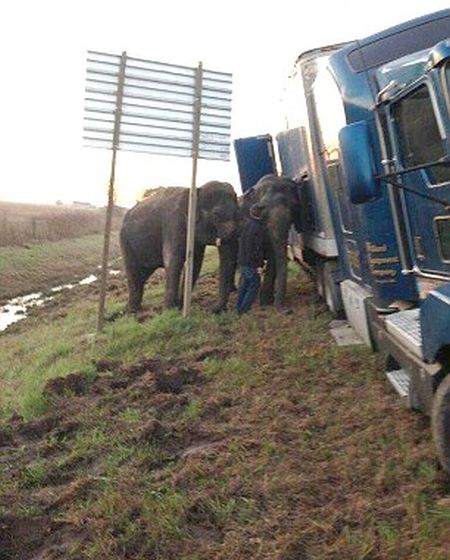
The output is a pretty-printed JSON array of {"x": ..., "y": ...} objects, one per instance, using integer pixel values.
[{"x": 128, "y": 253}]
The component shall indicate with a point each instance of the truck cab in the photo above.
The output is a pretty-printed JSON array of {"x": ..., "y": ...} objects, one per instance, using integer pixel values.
[{"x": 368, "y": 139}]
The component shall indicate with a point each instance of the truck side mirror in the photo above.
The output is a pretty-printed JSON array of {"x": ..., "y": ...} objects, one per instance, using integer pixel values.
[{"x": 358, "y": 167}]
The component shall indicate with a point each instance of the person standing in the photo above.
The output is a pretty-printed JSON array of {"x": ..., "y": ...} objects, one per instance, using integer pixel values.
[{"x": 252, "y": 242}]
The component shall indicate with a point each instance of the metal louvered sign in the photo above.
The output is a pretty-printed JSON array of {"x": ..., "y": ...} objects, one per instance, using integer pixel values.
[{"x": 145, "y": 106}]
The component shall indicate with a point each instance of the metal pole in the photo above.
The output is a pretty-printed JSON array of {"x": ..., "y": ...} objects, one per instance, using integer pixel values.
[
  {"x": 110, "y": 207},
  {"x": 190, "y": 238}
]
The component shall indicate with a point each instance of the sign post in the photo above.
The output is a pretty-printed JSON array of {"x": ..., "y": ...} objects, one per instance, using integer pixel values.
[
  {"x": 192, "y": 212},
  {"x": 110, "y": 207}
]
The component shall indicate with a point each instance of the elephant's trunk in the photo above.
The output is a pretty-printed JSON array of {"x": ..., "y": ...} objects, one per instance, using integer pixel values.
[{"x": 226, "y": 229}]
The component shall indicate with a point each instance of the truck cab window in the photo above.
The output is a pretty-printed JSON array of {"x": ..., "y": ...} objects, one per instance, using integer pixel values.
[
  {"x": 418, "y": 134},
  {"x": 443, "y": 236},
  {"x": 447, "y": 84}
]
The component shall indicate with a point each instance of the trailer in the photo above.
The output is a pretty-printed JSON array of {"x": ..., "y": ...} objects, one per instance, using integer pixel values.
[{"x": 368, "y": 140}]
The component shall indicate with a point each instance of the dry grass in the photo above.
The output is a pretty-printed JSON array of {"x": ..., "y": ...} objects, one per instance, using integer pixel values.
[{"x": 22, "y": 224}]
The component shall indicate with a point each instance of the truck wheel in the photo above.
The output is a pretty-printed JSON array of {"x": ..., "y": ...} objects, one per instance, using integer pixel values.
[
  {"x": 331, "y": 291},
  {"x": 319, "y": 279},
  {"x": 440, "y": 422}
]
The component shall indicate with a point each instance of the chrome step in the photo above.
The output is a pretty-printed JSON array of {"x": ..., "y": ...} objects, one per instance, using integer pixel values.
[
  {"x": 399, "y": 379},
  {"x": 405, "y": 326}
]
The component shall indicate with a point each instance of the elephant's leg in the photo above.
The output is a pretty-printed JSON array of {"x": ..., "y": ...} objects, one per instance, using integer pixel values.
[
  {"x": 233, "y": 265},
  {"x": 227, "y": 269},
  {"x": 173, "y": 264},
  {"x": 281, "y": 276},
  {"x": 266, "y": 292},
  {"x": 199, "y": 253},
  {"x": 137, "y": 277},
  {"x": 135, "y": 293}
]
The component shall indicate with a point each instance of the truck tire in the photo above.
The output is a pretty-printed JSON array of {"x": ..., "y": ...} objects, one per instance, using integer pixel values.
[
  {"x": 331, "y": 290},
  {"x": 319, "y": 279},
  {"x": 440, "y": 422}
]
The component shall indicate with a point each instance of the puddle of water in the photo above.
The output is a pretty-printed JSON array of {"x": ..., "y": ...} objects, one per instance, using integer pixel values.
[
  {"x": 17, "y": 308},
  {"x": 63, "y": 287},
  {"x": 10, "y": 314},
  {"x": 88, "y": 280}
]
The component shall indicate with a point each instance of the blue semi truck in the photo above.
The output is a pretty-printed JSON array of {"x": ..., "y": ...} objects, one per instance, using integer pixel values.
[{"x": 368, "y": 140}]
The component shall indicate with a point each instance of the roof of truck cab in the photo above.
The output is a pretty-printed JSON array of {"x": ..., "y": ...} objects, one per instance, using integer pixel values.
[
  {"x": 384, "y": 46},
  {"x": 416, "y": 22},
  {"x": 398, "y": 41}
]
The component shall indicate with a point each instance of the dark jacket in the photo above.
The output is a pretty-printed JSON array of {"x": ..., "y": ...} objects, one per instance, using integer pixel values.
[{"x": 252, "y": 243}]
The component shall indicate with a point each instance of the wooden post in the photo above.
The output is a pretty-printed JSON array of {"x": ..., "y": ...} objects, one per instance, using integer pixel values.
[
  {"x": 110, "y": 207},
  {"x": 190, "y": 238}
]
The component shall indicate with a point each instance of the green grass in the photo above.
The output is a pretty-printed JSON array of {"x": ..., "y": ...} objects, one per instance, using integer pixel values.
[
  {"x": 192, "y": 411},
  {"x": 42, "y": 352}
]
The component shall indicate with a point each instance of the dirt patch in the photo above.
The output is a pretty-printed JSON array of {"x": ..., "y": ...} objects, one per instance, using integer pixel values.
[
  {"x": 108, "y": 365},
  {"x": 151, "y": 431},
  {"x": 73, "y": 383},
  {"x": 6, "y": 437},
  {"x": 21, "y": 533},
  {"x": 211, "y": 352},
  {"x": 173, "y": 380},
  {"x": 38, "y": 428}
]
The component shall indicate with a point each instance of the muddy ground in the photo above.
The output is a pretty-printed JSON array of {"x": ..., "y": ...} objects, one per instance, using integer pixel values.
[{"x": 274, "y": 445}]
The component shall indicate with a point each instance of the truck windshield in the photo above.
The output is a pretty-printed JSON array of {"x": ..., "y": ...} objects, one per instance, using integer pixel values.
[{"x": 418, "y": 134}]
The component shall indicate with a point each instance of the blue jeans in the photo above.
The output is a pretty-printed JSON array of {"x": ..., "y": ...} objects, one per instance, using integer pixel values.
[{"x": 248, "y": 288}]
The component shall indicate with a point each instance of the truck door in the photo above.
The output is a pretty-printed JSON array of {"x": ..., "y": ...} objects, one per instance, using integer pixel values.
[
  {"x": 418, "y": 132},
  {"x": 255, "y": 158}
]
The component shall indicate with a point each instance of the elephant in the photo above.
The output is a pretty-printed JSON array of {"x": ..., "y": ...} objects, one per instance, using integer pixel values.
[
  {"x": 153, "y": 235},
  {"x": 277, "y": 200}
]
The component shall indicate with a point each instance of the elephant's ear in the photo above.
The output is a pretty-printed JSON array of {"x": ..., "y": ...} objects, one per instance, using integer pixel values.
[
  {"x": 249, "y": 193},
  {"x": 249, "y": 197},
  {"x": 293, "y": 187},
  {"x": 200, "y": 214},
  {"x": 246, "y": 201}
]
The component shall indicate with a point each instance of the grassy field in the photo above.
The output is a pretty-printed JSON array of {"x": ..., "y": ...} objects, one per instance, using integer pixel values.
[
  {"x": 206, "y": 438},
  {"x": 44, "y": 265},
  {"x": 24, "y": 224}
]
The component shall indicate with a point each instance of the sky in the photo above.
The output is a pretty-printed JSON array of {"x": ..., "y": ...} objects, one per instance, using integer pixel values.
[{"x": 44, "y": 45}]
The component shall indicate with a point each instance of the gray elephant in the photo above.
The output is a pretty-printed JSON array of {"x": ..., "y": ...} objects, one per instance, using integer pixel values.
[
  {"x": 153, "y": 235},
  {"x": 277, "y": 199}
]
